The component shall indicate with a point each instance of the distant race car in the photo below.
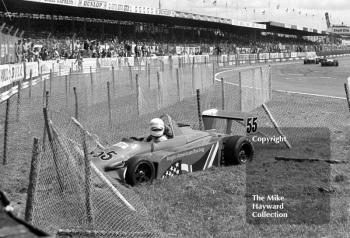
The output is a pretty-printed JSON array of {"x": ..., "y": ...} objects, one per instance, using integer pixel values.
[
  {"x": 187, "y": 150},
  {"x": 312, "y": 60},
  {"x": 329, "y": 62}
]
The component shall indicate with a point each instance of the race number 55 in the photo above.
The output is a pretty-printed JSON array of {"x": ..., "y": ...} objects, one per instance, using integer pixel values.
[{"x": 252, "y": 124}]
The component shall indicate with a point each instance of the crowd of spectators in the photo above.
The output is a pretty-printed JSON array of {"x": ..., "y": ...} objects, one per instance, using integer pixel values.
[{"x": 36, "y": 48}]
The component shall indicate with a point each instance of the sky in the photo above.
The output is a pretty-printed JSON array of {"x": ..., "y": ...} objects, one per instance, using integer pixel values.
[{"x": 304, "y": 13}]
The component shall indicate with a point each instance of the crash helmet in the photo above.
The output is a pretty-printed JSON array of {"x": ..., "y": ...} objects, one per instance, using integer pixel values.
[{"x": 157, "y": 127}]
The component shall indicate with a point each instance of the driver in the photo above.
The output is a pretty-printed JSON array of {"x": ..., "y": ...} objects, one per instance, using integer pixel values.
[{"x": 157, "y": 128}]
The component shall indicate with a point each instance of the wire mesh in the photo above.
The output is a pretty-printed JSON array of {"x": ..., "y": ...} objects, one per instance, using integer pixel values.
[{"x": 122, "y": 110}]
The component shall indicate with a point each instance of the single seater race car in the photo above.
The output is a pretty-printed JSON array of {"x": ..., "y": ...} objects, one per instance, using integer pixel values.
[
  {"x": 312, "y": 60},
  {"x": 330, "y": 62},
  {"x": 135, "y": 161}
]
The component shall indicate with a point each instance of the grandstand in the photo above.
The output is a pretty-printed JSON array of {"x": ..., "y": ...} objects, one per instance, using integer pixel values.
[{"x": 56, "y": 29}]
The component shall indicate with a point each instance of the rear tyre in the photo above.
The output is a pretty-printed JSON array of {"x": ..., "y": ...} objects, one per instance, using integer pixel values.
[
  {"x": 139, "y": 171},
  {"x": 238, "y": 150},
  {"x": 337, "y": 64}
]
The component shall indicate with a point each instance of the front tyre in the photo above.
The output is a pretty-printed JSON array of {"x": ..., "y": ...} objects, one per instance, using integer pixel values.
[
  {"x": 238, "y": 150},
  {"x": 139, "y": 171}
]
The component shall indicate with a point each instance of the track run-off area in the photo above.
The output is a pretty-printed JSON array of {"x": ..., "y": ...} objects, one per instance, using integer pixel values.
[{"x": 300, "y": 78}]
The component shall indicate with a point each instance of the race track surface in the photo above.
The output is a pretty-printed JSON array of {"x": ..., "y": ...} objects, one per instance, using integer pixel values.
[{"x": 310, "y": 78}]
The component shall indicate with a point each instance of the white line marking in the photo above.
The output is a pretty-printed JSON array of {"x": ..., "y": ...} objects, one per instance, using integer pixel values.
[
  {"x": 282, "y": 91},
  {"x": 308, "y": 94}
]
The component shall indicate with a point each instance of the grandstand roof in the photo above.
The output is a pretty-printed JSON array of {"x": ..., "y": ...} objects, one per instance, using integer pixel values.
[
  {"x": 109, "y": 10},
  {"x": 292, "y": 29}
]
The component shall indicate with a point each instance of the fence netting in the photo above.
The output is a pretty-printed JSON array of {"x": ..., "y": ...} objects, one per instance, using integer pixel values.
[
  {"x": 119, "y": 101},
  {"x": 71, "y": 196}
]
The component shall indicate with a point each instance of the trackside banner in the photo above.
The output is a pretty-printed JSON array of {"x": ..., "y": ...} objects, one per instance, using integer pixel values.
[
  {"x": 4, "y": 76},
  {"x": 293, "y": 54},
  {"x": 12, "y": 73},
  {"x": 15, "y": 72},
  {"x": 32, "y": 67}
]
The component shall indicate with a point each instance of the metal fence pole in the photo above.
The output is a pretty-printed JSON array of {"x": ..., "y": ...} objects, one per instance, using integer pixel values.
[
  {"x": 33, "y": 180},
  {"x": 4, "y": 162}
]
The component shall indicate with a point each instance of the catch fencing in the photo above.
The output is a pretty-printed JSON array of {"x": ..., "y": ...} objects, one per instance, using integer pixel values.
[
  {"x": 107, "y": 102},
  {"x": 114, "y": 101}
]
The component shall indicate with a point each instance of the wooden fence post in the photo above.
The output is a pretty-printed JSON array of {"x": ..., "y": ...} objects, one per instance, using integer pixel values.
[
  {"x": 347, "y": 92},
  {"x": 44, "y": 92},
  {"x": 4, "y": 162},
  {"x": 193, "y": 77},
  {"x": 109, "y": 104},
  {"x": 66, "y": 88},
  {"x": 46, "y": 106},
  {"x": 30, "y": 83},
  {"x": 51, "y": 77},
  {"x": 160, "y": 88},
  {"x": 270, "y": 82},
  {"x": 130, "y": 77},
  {"x": 286, "y": 142},
  {"x": 138, "y": 92},
  {"x": 76, "y": 106},
  {"x": 254, "y": 87},
  {"x": 149, "y": 74},
  {"x": 91, "y": 80},
  {"x": 88, "y": 182},
  {"x": 213, "y": 73},
  {"x": 19, "y": 86},
  {"x": 53, "y": 150},
  {"x": 222, "y": 94},
  {"x": 240, "y": 100},
  {"x": 178, "y": 84},
  {"x": 33, "y": 180},
  {"x": 113, "y": 79},
  {"x": 199, "y": 110},
  {"x": 47, "y": 99}
]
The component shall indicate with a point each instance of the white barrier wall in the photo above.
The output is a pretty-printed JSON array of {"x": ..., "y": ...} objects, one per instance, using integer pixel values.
[{"x": 13, "y": 73}]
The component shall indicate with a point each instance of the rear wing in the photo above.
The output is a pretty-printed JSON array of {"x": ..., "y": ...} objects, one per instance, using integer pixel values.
[{"x": 246, "y": 119}]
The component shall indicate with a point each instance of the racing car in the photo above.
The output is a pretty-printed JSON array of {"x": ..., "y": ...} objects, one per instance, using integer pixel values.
[
  {"x": 134, "y": 161},
  {"x": 312, "y": 60},
  {"x": 330, "y": 62}
]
